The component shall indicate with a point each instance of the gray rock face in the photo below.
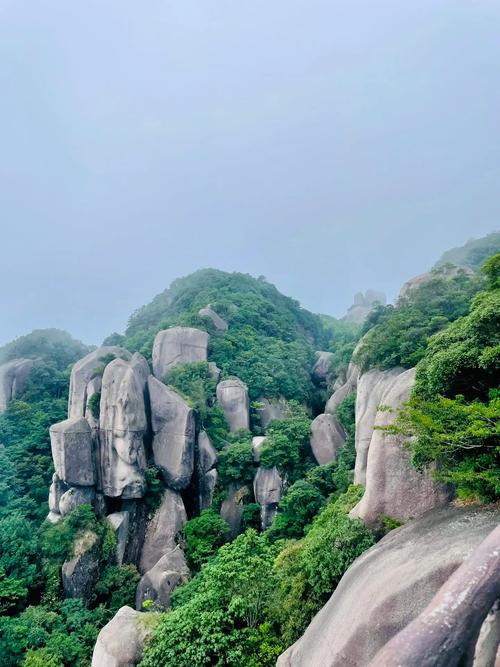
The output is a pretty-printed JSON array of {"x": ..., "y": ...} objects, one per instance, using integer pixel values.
[
  {"x": 178, "y": 345},
  {"x": 272, "y": 408},
  {"x": 393, "y": 486},
  {"x": 345, "y": 390},
  {"x": 121, "y": 642},
  {"x": 122, "y": 427},
  {"x": 207, "y": 485},
  {"x": 56, "y": 491},
  {"x": 162, "y": 530},
  {"x": 232, "y": 508},
  {"x": 257, "y": 443},
  {"x": 219, "y": 323},
  {"x": 267, "y": 487},
  {"x": 363, "y": 305},
  {"x": 232, "y": 396},
  {"x": 174, "y": 432},
  {"x": 71, "y": 443},
  {"x": 214, "y": 370},
  {"x": 488, "y": 641},
  {"x": 207, "y": 459},
  {"x": 80, "y": 574},
  {"x": 388, "y": 586},
  {"x": 321, "y": 369},
  {"x": 159, "y": 582},
  {"x": 121, "y": 524},
  {"x": 327, "y": 437},
  {"x": 206, "y": 452},
  {"x": 84, "y": 371},
  {"x": 13, "y": 377},
  {"x": 74, "y": 497}
]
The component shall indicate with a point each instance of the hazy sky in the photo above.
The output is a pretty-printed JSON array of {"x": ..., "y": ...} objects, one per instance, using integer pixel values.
[{"x": 331, "y": 146}]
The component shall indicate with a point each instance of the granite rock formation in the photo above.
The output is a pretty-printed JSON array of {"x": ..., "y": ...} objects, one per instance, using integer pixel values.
[
  {"x": 232, "y": 396},
  {"x": 178, "y": 345}
]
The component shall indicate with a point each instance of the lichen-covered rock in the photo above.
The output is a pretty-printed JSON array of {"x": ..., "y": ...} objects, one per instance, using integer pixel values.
[
  {"x": 158, "y": 583},
  {"x": 178, "y": 345},
  {"x": 121, "y": 523},
  {"x": 174, "y": 431},
  {"x": 271, "y": 409},
  {"x": 321, "y": 368},
  {"x": 267, "y": 488},
  {"x": 232, "y": 396},
  {"x": 163, "y": 529},
  {"x": 84, "y": 371},
  {"x": 13, "y": 377},
  {"x": 80, "y": 574},
  {"x": 71, "y": 443},
  {"x": 232, "y": 508},
  {"x": 393, "y": 486},
  {"x": 74, "y": 497},
  {"x": 122, "y": 427},
  {"x": 327, "y": 437},
  {"x": 121, "y": 642},
  {"x": 219, "y": 323},
  {"x": 388, "y": 586}
]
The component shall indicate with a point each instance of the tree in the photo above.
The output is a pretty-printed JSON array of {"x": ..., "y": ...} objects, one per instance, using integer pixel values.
[{"x": 203, "y": 535}]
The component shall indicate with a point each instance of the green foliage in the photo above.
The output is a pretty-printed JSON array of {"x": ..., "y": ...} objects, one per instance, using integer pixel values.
[
  {"x": 155, "y": 488},
  {"x": 57, "y": 540},
  {"x": 19, "y": 553},
  {"x": 94, "y": 404},
  {"x": 296, "y": 510},
  {"x": 343, "y": 339},
  {"x": 116, "y": 587},
  {"x": 398, "y": 335},
  {"x": 473, "y": 253},
  {"x": 236, "y": 463},
  {"x": 49, "y": 345},
  {"x": 203, "y": 535},
  {"x": 223, "y": 619}
]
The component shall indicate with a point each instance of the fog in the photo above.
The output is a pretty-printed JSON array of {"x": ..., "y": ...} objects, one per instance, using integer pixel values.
[{"x": 330, "y": 146}]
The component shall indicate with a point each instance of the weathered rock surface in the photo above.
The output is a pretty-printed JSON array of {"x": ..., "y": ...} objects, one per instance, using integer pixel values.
[
  {"x": 272, "y": 408},
  {"x": 219, "y": 323},
  {"x": 121, "y": 524},
  {"x": 232, "y": 508},
  {"x": 267, "y": 488},
  {"x": 122, "y": 427},
  {"x": 80, "y": 574},
  {"x": 71, "y": 444},
  {"x": 13, "y": 377},
  {"x": 159, "y": 582},
  {"x": 174, "y": 432},
  {"x": 178, "y": 345},
  {"x": 84, "y": 371},
  {"x": 321, "y": 369},
  {"x": 363, "y": 305},
  {"x": 344, "y": 390},
  {"x": 446, "y": 272},
  {"x": 388, "y": 586},
  {"x": 257, "y": 443},
  {"x": 327, "y": 437},
  {"x": 74, "y": 497},
  {"x": 208, "y": 482},
  {"x": 56, "y": 491},
  {"x": 232, "y": 396},
  {"x": 393, "y": 486},
  {"x": 207, "y": 474},
  {"x": 214, "y": 370},
  {"x": 121, "y": 642},
  {"x": 163, "y": 529},
  {"x": 488, "y": 641},
  {"x": 206, "y": 452}
]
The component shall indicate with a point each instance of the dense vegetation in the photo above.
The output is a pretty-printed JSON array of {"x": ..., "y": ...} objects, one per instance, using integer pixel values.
[{"x": 473, "y": 254}]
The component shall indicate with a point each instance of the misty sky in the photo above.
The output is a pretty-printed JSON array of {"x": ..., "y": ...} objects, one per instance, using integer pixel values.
[{"x": 331, "y": 146}]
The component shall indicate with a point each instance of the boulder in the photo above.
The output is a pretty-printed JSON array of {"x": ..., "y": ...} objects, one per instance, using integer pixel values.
[
  {"x": 162, "y": 530},
  {"x": 207, "y": 474},
  {"x": 178, "y": 345},
  {"x": 74, "y": 497},
  {"x": 232, "y": 396},
  {"x": 120, "y": 522},
  {"x": 219, "y": 323},
  {"x": 327, "y": 437},
  {"x": 174, "y": 432},
  {"x": 123, "y": 425},
  {"x": 488, "y": 641},
  {"x": 53, "y": 517},
  {"x": 267, "y": 488},
  {"x": 13, "y": 377},
  {"x": 344, "y": 390},
  {"x": 257, "y": 443},
  {"x": 84, "y": 371},
  {"x": 272, "y": 408},
  {"x": 388, "y": 586},
  {"x": 393, "y": 487},
  {"x": 121, "y": 642},
  {"x": 158, "y": 583},
  {"x": 71, "y": 443},
  {"x": 80, "y": 574},
  {"x": 214, "y": 371},
  {"x": 206, "y": 488},
  {"x": 363, "y": 305},
  {"x": 207, "y": 454},
  {"x": 56, "y": 491},
  {"x": 232, "y": 508},
  {"x": 321, "y": 369}
]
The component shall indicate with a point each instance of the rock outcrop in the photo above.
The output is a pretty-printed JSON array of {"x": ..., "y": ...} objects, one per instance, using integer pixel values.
[
  {"x": 271, "y": 409},
  {"x": 74, "y": 497},
  {"x": 267, "y": 488},
  {"x": 174, "y": 431},
  {"x": 232, "y": 396},
  {"x": 345, "y": 390},
  {"x": 363, "y": 305},
  {"x": 71, "y": 443},
  {"x": 232, "y": 508},
  {"x": 388, "y": 586},
  {"x": 327, "y": 437},
  {"x": 13, "y": 377},
  {"x": 321, "y": 369},
  {"x": 207, "y": 473},
  {"x": 122, "y": 427},
  {"x": 178, "y": 345},
  {"x": 219, "y": 323},
  {"x": 393, "y": 487},
  {"x": 120, "y": 522},
  {"x": 121, "y": 642},
  {"x": 257, "y": 443},
  {"x": 80, "y": 574},
  {"x": 163, "y": 529},
  {"x": 158, "y": 583}
]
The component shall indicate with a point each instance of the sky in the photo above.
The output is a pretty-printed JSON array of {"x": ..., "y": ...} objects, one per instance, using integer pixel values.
[{"x": 331, "y": 146}]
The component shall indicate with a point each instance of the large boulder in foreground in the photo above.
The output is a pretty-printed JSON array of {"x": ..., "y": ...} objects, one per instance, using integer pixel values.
[
  {"x": 13, "y": 377},
  {"x": 388, "y": 586},
  {"x": 123, "y": 425},
  {"x": 327, "y": 437},
  {"x": 393, "y": 487},
  {"x": 232, "y": 396},
  {"x": 174, "y": 432},
  {"x": 71, "y": 443},
  {"x": 163, "y": 529},
  {"x": 121, "y": 641},
  {"x": 158, "y": 583},
  {"x": 178, "y": 345}
]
